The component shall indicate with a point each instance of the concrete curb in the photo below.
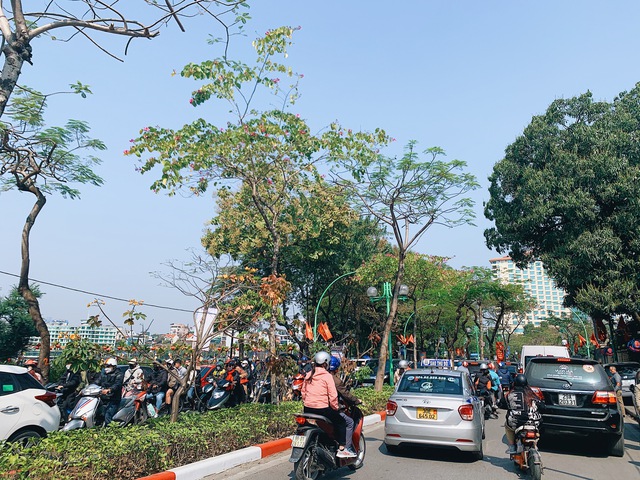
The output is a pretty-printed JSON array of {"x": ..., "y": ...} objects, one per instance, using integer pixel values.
[{"x": 220, "y": 463}]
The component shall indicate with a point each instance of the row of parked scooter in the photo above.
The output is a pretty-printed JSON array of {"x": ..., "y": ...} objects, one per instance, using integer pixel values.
[{"x": 212, "y": 390}]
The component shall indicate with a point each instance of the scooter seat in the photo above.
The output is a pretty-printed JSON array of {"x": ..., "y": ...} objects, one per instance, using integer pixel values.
[{"x": 314, "y": 416}]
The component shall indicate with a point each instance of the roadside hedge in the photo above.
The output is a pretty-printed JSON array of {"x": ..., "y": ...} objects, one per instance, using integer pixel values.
[{"x": 136, "y": 451}]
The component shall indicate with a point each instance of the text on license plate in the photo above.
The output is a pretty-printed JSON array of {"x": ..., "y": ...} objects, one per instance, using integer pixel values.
[
  {"x": 298, "y": 441},
  {"x": 426, "y": 413},
  {"x": 567, "y": 399}
]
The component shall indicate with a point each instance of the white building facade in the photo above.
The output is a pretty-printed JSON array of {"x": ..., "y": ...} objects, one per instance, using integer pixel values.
[{"x": 537, "y": 284}]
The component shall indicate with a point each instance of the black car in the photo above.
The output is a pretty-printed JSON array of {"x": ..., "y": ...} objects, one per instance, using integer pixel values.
[{"x": 579, "y": 399}]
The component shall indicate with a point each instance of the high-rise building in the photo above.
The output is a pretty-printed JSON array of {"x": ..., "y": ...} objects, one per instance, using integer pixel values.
[
  {"x": 60, "y": 332},
  {"x": 537, "y": 284}
]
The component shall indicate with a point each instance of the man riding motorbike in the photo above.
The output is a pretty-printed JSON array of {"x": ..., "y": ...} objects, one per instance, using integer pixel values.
[
  {"x": 134, "y": 377},
  {"x": 522, "y": 407},
  {"x": 483, "y": 384},
  {"x": 110, "y": 379},
  {"x": 397, "y": 375},
  {"x": 67, "y": 386},
  {"x": 157, "y": 385}
]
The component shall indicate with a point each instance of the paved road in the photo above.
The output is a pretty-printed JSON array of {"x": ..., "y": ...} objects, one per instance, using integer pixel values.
[{"x": 562, "y": 459}]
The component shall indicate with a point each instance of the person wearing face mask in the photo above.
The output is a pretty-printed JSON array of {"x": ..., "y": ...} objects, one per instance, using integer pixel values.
[
  {"x": 157, "y": 385},
  {"x": 110, "y": 379},
  {"x": 67, "y": 385},
  {"x": 134, "y": 377}
]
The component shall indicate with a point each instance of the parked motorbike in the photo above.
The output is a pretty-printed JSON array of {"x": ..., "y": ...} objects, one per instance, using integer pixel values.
[
  {"x": 220, "y": 395},
  {"x": 133, "y": 408},
  {"x": 262, "y": 392},
  {"x": 296, "y": 386},
  {"x": 314, "y": 448},
  {"x": 89, "y": 409},
  {"x": 528, "y": 457}
]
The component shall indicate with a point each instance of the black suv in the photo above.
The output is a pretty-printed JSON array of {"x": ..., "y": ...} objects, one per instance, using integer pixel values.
[{"x": 578, "y": 397}]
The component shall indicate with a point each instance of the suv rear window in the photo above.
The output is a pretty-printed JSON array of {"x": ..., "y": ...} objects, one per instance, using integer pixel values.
[
  {"x": 430, "y": 383},
  {"x": 580, "y": 375}
]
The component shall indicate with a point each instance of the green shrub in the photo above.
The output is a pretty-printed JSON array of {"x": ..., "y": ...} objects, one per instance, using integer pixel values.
[{"x": 136, "y": 451}]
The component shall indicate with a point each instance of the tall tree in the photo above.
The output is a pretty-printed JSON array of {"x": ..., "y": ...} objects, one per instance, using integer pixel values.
[
  {"x": 567, "y": 193},
  {"x": 84, "y": 18},
  {"x": 42, "y": 161},
  {"x": 16, "y": 325},
  {"x": 408, "y": 196},
  {"x": 261, "y": 163}
]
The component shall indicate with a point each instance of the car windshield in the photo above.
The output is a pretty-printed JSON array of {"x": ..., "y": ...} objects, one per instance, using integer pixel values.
[
  {"x": 430, "y": 383},
  {"x": 576, "y": 375}
]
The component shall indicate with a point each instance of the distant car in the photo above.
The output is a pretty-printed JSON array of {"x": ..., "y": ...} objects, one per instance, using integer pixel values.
[
  {"x": 627, "y": 371},
  {"x": 373, "y": 365},
  {"x": 27, "y": 410},
  {"x": 435, "y": 408},
  {"x": 579, "y": 400}
]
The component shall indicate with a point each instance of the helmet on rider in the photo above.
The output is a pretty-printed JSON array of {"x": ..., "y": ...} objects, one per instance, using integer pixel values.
[
  {"x": 484, "y": 368},
  {"x": 334, "y": 364},
  {"x": 502, "y": 364},
  {"x": 232, "y": 363},
  {"x": 492, "y": 366},
  {"x": 465, "y": 364},
  {"x": 111, "y": 362},
  {"x": 30, "y": 363},
  {"x": 303, "y": 359},
  {"x": 322, "y": 358},
  {"x": 244, "y": 363},
  {"x": 403, "y": 364},
  {"x": 520, "y": 380},
  {"x": 133, "y": 362}
]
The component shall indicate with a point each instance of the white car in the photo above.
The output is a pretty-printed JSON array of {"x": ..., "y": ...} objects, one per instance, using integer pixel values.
[
  {"x": 27, "y": 410},
  {"x": 435, "y": 408}
]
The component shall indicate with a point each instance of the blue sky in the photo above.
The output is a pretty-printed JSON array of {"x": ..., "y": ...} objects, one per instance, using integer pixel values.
[{"x": 466, "y": 76}]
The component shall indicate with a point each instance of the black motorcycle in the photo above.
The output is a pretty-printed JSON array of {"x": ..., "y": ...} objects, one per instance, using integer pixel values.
[
  {"x": 314, "y": 448},
  {"x": 220, "y": 395}
]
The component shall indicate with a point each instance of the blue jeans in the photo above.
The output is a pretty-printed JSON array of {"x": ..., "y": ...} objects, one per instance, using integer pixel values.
[
  {"x": 159, "y": 399},
  {"x": 349, "y": 428}
]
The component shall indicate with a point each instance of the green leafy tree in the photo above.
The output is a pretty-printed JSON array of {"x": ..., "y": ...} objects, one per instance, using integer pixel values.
[
  {"x": 408, "y": 196},
  {"x": 61, "y": 21},
  {"x": 567, "y": 193},
  {"x": 261, "y": 164},
  {"x": 42, "y": 161},
  {"x": 16, "y": 325}
]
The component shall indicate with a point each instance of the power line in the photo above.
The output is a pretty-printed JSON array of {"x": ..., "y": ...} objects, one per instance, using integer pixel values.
[{"x": 97, "y": 294}]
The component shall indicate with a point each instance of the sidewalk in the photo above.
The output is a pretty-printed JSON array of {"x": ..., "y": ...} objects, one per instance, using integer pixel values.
[{"x": 210, "y": 466}]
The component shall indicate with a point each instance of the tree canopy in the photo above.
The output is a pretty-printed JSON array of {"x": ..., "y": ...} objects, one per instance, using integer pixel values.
[
  {"x": 16, "y": 325},
  {"x": 568, "y": 193}
]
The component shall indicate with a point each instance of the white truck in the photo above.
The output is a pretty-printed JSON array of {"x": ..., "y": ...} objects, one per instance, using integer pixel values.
[{"x": 530, "y": 351}]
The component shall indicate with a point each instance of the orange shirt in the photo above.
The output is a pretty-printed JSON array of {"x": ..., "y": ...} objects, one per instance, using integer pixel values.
[{"x": 321, "y": 391}]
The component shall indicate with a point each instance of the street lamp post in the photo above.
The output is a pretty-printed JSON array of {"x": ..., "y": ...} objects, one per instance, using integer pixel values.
[
  {"x": 387, "y": 295},
  {"x": 315, "y": 319},
  {"x": 475, "y": 332}
]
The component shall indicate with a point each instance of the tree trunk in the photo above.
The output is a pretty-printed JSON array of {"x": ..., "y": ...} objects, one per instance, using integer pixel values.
[
  {"x": 15, "y": 52},
  {"x": 25, "y": 290}
]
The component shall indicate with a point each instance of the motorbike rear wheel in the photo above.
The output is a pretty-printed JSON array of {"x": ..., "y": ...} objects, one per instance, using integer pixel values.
[
  {"x": 362, "y": 451},
  {"x": 535, "y": 464},
  {"x": 307, "y": 467}
]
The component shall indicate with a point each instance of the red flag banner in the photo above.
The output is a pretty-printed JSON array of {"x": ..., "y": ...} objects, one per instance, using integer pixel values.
[
  {"x": 324, "y": 331},
  {"x": 581, "y": 340},
  {"x": 593, "y": 339},
  {"x": 411, "y": 339},
  {"x": 308, "y": 331}
]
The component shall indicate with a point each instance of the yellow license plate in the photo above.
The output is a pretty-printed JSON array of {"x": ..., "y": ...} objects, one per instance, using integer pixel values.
[{"x": 427, "y": 414}]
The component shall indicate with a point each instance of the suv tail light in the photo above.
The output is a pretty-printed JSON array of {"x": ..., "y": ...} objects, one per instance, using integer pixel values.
[
  {"x": 538, "y": 393},
  {"x": 392, "y": 407},
  {"x": 49, "y": 398},
  {"x": 604, "y": 398},
  {"x": 466, "y": 411}
]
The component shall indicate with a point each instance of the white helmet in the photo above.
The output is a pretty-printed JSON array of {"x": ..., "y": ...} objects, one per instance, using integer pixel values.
[
  {"x": 403, "y": 364},
  {"x": 321, "y": 358},
  {"x": 111, "y": 362}
]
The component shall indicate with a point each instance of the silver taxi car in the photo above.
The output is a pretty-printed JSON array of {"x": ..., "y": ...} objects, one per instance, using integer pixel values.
[{"x": 435, "y": 408}]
